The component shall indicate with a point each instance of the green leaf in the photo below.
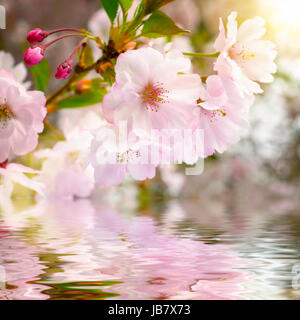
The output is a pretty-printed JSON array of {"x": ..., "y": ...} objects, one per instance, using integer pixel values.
[
  {"x": 111, "y": 8},
  {"x": 160, "y": 25},
  {"x": 80, "y": 100},
  {"x": 139, "y": 11},
  {"x": 125, "y": 4},
  {"x": 152, "y": 5},
  {"x": 41, "y": 75},
  {"x": 138, "y": 16}
]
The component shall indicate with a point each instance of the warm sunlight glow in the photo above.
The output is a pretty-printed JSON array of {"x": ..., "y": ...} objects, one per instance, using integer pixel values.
[
  {"x": 283, "y": 12},
  {"x": 283, "y": 22}
]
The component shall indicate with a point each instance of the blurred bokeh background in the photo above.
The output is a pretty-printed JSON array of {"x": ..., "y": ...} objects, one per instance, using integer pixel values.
[{"x": 258, "y": 179}]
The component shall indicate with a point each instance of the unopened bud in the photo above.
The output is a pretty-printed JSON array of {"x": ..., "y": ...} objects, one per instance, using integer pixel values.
[
  {"x": 3, "y": 164},
  {"x": 34, "y": 55},
  {"x": 36, "y": 35},
  {"x": 64, "y": 70}
]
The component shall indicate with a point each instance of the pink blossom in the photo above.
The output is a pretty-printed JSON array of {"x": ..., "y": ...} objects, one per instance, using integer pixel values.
[
  {"x": 222, "y": 114},
  {"x": 181, "y": 43},
  {"x": 64, "y": 172},
  {"x": 36, "y": 35},
  {"x": 152, "y": 91},
  {"x": 34, "y": 55},
  {"x": 243, "y": 55},
  {"x": 113, "y": 161},
  {"x": 21, "y": 117},
  {"x": 19, "y": 71},
  {"x": 64, "y": 70}
]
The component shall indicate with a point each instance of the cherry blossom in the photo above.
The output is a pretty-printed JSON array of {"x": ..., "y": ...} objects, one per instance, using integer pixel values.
[
  {"x": 64, "y": 172},
  {"x": 112, "y": 159},
  {"x": 152, "y": 90},
  {"x": 88, "y": 118},
  {"x": 19, "y": 71},
  {"x": 181, "y": 43},
  {"x": 243, "y": 55},
  {"x": 222, "y": 114},
  {"x": 21, "y": 117}
]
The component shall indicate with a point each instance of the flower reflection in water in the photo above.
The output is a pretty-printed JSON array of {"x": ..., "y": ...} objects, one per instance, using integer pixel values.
[{"x": 76, "y": 250}]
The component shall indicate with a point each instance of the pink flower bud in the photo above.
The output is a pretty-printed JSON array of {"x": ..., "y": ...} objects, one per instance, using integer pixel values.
[
  {"x": 64, "y": 70},
  {"x": 36, "y": 35},
  {"x": 34, "y": 55}
]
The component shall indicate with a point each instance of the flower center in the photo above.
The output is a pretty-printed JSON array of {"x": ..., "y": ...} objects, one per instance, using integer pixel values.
[
  {"x": 154, "y": 95},
  {"x": 240, "y": 53},
  {"x": 5, "y": 115},
  {"x": 214, "y": 115},
  {"x": 126, "y": 156}
]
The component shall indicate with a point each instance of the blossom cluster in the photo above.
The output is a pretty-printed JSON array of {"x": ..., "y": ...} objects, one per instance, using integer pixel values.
[{"x": 144, "y": 104}]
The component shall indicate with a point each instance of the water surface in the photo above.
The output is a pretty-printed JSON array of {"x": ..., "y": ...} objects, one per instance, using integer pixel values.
[{"x": 80, "y": 250}]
